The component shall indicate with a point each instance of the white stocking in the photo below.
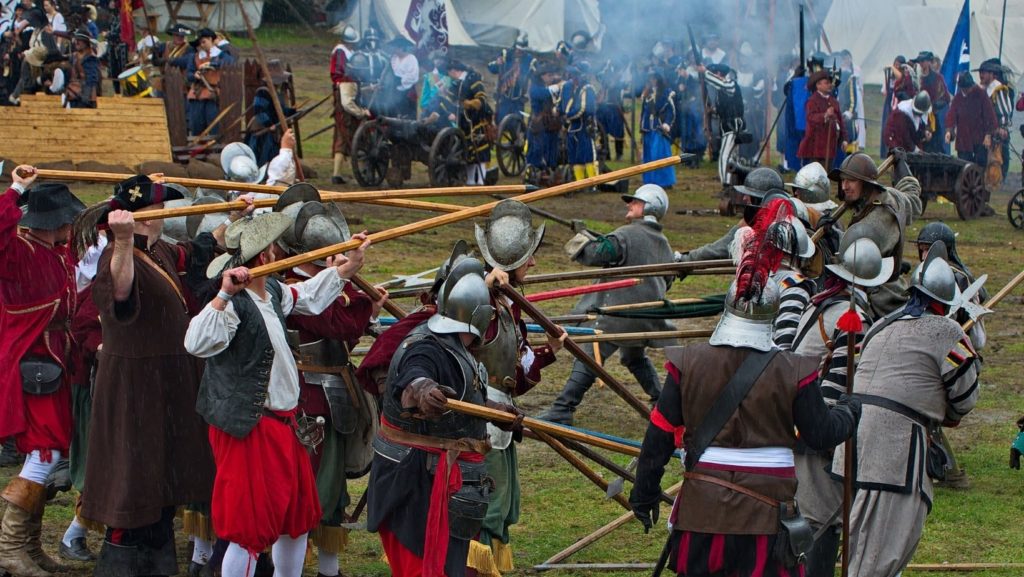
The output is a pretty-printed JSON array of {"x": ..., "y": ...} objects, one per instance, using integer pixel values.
[
  {"x": 328, "y": 563},
  {"x": 35, "y": 469},
  {"x": 237, "y": 562},
  {"x": 288, "y": 556}
]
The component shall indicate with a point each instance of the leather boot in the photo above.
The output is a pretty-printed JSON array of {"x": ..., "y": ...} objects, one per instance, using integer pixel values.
[
  {"x": 35, "y": 546},
  {"x": 579, "y": 383},
  {"x": 24, "y": 500}
]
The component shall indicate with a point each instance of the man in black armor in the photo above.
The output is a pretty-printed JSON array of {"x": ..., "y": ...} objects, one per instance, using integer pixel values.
[{"x": 429, "y": 489}]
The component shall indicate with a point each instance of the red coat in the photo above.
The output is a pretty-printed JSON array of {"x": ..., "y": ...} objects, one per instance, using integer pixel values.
[
  {"x": 37, "y": 300},
  {"x": 900, "y": 132},
  {"x": 970, "y": 118},
  {"x": 822, "y": 137}
]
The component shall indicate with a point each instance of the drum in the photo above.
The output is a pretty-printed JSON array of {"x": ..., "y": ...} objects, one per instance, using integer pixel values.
[{"x": 134, "y": 83}]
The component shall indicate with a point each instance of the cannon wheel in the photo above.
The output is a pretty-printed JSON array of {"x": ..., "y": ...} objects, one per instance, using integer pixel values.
[
  {"x": 447, "y": 160},
  {"x": 970, "y": 191},
  {"x": 1015, "y": 210},
  {"x": 370, "y": 154},
  {"x": 511, "y": 147}
]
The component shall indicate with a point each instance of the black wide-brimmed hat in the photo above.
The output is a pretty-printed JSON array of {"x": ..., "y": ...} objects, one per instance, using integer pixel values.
[
  {"x": 923, "y": 56},
  {"x": 138, "y": 192},
  {"x": 50, "y": 206},
  {"x": 993, "y": 65}
]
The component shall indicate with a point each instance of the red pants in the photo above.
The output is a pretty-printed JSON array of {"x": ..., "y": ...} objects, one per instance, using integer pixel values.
[
  {"x": 264, "y": 487},
  {"x": 48, "y": 423},
  {"x": 403, "y": 562}
]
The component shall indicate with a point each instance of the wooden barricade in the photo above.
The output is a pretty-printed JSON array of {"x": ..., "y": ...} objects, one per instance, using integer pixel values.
[{"x": 123, "y": 131}]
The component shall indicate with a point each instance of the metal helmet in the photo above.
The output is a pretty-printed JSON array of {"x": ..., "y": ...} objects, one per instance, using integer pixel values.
[
  {"x": 862, "y": 264},
  {"x": 290, "y": 202},
  {"x": 791, "y": 237},
  {"x": 934, "y": 277},
  {"x": 318, "y": 225},
  {"x": 857, "y": 166},
  {"x": 461, "y": 249},
  {"x": 922, "y": 103},
  {"x": 349, "y": 35},
  {"x": 174, "y": 228},
  {"x": 748, "y": 323},
  {"x": 509, "y": 239},
  {"x": 811, "y": 183},
  {"x": 654, "y": 198},
  {"x": 760, "y": 182},
  {"x": 197, "y": 224},
  {"x": 239, "y": 164},
  {"x": 464, "y": 301}
]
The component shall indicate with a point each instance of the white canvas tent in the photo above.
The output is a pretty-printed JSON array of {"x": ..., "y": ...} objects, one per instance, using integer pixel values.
[
  {"x": 876, "y": 31},
  {"x": 490, "y": 22}
]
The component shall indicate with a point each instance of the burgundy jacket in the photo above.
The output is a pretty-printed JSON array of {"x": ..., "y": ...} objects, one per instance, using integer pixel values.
[{"x": 970, "y": 118}]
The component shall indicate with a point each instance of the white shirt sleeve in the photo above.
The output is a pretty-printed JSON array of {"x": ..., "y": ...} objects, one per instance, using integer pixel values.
[
  {"x": 58, "y": 24},
  {"x": 407, "y": 69},
  {"x": 210, "y": 332},
  {"x": 313, "y": 296},
  {"x": 282, "y": 168}
]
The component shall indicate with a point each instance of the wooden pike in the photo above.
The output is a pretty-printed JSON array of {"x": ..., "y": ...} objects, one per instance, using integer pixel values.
[
  {"x": 372, "y": 292},
  {"x": 113, "y": 177},
  {"x": 597, "y": 535},
  {"x": 652, "y": 335},
  {"x": 650, "y": 305},
  {"x": 581, "y": 466},
  {"x": 999, "y": 296},
  {"x": 581, "y": 290},
  {"x": 573, "y": 347},
  {"x": 536, "y": 425},
  {"x": 668, "y": 268},
  {"x": 468, "y": 212},
  {"x": 145, "y": 215},
  {"x": 282, "y": 121}
]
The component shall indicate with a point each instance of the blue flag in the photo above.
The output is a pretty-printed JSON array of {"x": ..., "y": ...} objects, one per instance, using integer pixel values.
[{"x": 958, "y": 54}]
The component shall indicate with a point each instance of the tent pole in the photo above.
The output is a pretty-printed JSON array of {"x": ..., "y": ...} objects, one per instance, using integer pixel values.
[{"x": 1002, "y": 30}]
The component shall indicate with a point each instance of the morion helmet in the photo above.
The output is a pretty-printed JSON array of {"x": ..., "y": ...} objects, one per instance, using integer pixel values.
[
  {"x": 811, "y": 184},
  {"x": 508, "y": 239},
  {"x": 934, "y": 277},
  {"x": 654, "y": 198},
  {"x": 463, "y": 301}
]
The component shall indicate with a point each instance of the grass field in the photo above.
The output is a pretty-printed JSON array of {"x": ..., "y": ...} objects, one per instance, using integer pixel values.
[{"x": 982, "y": 524}]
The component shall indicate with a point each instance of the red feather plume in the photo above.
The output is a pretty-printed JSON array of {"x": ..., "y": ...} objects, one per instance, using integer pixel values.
[{"x": 760, "y": 257}]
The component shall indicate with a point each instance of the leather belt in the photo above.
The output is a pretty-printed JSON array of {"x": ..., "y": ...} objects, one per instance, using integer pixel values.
[
  {"x": 286, "y": 420},
  {"x": 464, "y": 444},
  {"x": 895, "y": 407},
  {"x": 774, "y": 503}
]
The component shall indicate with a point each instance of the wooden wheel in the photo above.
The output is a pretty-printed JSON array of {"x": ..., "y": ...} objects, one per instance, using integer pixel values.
[
  {"x": 511, "y": 147},
  {"x": 1015, "y": 210},
  {"x": 971, "y": 194},
  {"x": 447, "y": 162},
  {"x": 370, "y": 154}
]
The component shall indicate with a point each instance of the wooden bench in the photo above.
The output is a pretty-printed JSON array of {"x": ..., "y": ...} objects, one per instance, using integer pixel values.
[{"x": 125, "y": 131}]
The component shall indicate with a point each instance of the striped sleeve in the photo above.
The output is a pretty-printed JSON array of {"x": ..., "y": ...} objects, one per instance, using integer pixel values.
[
  {"x": 1004, "y": 108},
  {"x": 834, "y": 377},
  {"x": 960, "y": 379},
  {"x": 796, "y": 295}
]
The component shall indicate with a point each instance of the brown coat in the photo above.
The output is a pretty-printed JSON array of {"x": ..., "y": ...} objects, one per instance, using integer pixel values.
[
  {"x": 149, "y": 446},
  {"x": 764, "y": 419}
]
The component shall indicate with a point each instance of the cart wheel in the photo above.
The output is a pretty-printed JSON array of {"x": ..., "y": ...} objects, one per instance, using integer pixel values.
[
  {"x": 1015, "y": 210},
  {"x": 511, "y": 147},
  {"x": 971, "y": 194},
  {"x": 447, "y": 162},
  {"x": 370, "y": 154}
]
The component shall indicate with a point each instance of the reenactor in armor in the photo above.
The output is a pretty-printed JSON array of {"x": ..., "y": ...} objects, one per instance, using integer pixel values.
[
  {"x": 640, "y": 241},
  {"x": 793, "y": 276},
  {"x": 820, "y": 496},
  {"x": 725, "y": 101},
  {"x": 425, "y": 528},
  {"x": 348, "y": 113},
  {"x": 882, "y": 214},
  {"x": 329, "y": 388},
  {"x": 917, "y": 370},
  {"x": 513, "y": 68},
  {"x": 204, "y": 76},
  {"x": 545, "y": 126},
  {"x": 577, "y": 108},
  {"x": 507, "y": 244},
  {"x": 376, "y": 60},
  {"x": 735, "y": 405},
  {"x": 939, "y": 231}
]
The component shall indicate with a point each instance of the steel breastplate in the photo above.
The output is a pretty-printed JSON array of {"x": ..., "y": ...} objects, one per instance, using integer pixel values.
[
  {"x": 450, "y": 425},
  {"x": 325, "y": 356},
  {"x": 500, "y": 355}
]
